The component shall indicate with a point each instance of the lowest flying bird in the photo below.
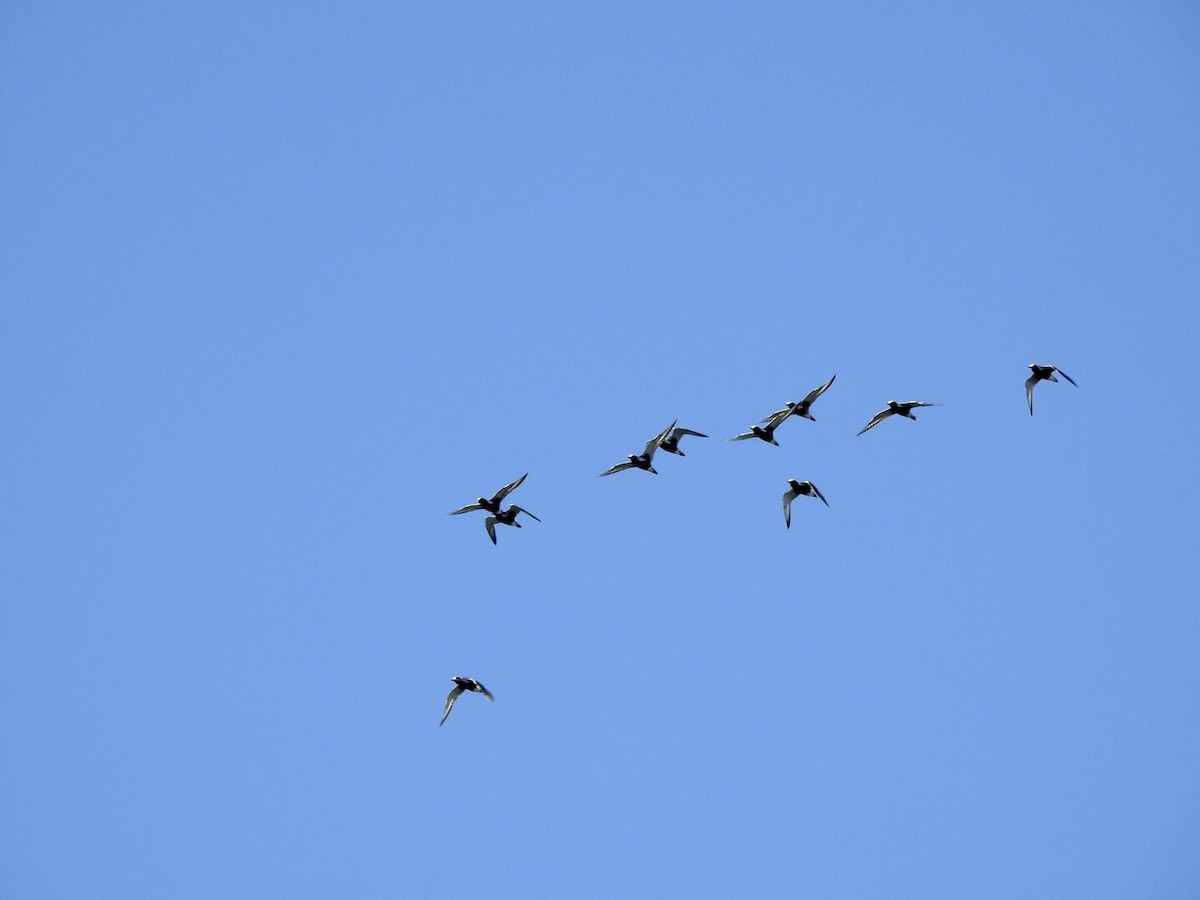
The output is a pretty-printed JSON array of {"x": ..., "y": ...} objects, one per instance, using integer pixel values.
[
  {"x": 644, "y": 459},
  {"x": 1042, "y": 373},
  {"x": 506, "y": 517},
  {"x": 462, "y": 684},
  {"x": 492, "y": 505},
  {"x": 896, "y": 409},
  {"x": 799, "y": 489}
]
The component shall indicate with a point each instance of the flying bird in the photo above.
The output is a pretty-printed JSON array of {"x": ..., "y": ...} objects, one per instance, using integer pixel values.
[
  {"x": 764, "y": 432},
  {"x": 492, "y": 505},
  {"x": 801, "y": 407},
  {"x": 506, "y": 517},
  {"x": 896, "y": 409},
  {"x": 670, "y": 443},
  {"x": 462, "y": 684},
  {"x": 1042, "y": 373},
  {"x": 799, "y": 489},
  {"x": 643, "y": 459}
]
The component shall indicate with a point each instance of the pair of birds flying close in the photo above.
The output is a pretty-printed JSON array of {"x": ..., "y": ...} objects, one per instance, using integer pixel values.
[
  {"x": 462, "y": 684},
  {"x": 666, "y": 440},
  {"x": 765, "y": 430},
  {"x": 498, "y": 516}
]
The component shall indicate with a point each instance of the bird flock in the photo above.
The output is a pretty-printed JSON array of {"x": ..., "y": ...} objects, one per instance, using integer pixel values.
[{"x": 668, "y": 440}]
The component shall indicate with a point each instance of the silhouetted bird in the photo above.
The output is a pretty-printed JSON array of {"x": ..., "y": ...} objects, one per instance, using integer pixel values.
[
  {"x": 1042, "y": 373},
  {"x": 506, "y": 517},
  {"x": 492, "y": 505},
  {"x": 799, "y": 489},
  {"x": 670, "y": 443},
  {"x": 462, "y": 684},
  {"x": 643, "y": 459},
  {"x": 801, "y": 407},
  {"x": 896, "y": 409},
  {"x": 764, "y": 432}
]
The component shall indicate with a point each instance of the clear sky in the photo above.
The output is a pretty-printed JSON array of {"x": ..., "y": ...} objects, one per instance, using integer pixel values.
[{"x": 282, "y": 284}]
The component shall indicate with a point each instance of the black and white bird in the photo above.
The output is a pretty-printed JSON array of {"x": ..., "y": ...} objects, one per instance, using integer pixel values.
[
  {"x": 506, "y": 517},
  {"x": 896, "y": 409},
  {"x": 670, "y": 443},
  {"x": 1042, "y": 373},
  {"x": 492, "y": 505},
  {"x": 799, "y": 489},
  {"x": 462, "y": 684},
  {"x": 764, "y": 432},
  {"x": 801, "y": 407},
  {"x": 644, "y": 459}
]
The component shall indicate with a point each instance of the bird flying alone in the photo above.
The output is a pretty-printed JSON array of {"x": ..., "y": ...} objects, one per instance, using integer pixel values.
[
  {"x": 462, "y": 684},
  {"x": 801, "y": 407},
  {"x": 799, "y": 489},
  {"x": 644, "y": 459},
  {"x": 896, "y": 409},
  {"x": 492, "y": 505},
  {"x": 506, "y": 517},
  {"x": 1042, "y": 373}
]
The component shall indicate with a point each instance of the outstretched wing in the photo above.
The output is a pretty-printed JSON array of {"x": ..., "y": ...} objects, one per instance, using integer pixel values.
[
  {"x": 490, "y": 524},
  {"x": 744, "y": 436},
  {"x": 913, "y": 404},
  {"x": 617, "y": 468},
  {"x": 465, "y": 509},
  {"x": 781, "y": 414},
  {"x": 508, "y": 489},
  {"x": 879, "y": 417},
  {"x": 788, "y": 496},
  {"x": 1065, "y": 375},
  {"x": 817, "y": 392},
  {"x": 652, "y": 444},
  {"x": 677, "y": 433},
  {"x": 450, "y": 698},
  {"x": 527, "y": 512},
  {"x": 484, "y": 691},
  {"x": 817, "y": 491},
  {"x": 1029, "y": 385}
]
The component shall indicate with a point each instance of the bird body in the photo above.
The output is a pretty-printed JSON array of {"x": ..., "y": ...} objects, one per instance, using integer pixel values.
[
  {"x": 798, "y": 489},
  {"x": 1042, "y": 373},
  {"x": 896, "y": 408},
  {"x": 462, "y": 684}
]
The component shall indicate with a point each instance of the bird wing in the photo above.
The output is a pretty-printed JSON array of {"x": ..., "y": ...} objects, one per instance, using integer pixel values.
[
  {"x": 1029, "y": 385},
  {"x": 745, "y": 435},
  {"x": 788, "y": 497},
  {"x": 508, "y": 489},
  {"x": 913, "y": 404},
  {"x": 490, "y": 524},
  {"x": 466, "y": 509},
  {"x": 817, "y": 491},
  {"x": 677, "y": 433},
  {"x": 450, "y": 698},
  {"x": 617, "y": 468},
  {"x": 1065, "y": 375},
  {"x": 527, "y": 512},
  {"x": 879, "y": 417},
  {"x": 652, "y": 444},
  {"x": 778, "y": 418},
  {"x": 484, "y": 691},
  {"x": 785, "y": 412},
  {"x": 817, "y": 392}
]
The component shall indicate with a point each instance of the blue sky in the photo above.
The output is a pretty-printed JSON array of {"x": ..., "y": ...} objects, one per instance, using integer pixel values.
[{"x": 281, "y": 286}]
